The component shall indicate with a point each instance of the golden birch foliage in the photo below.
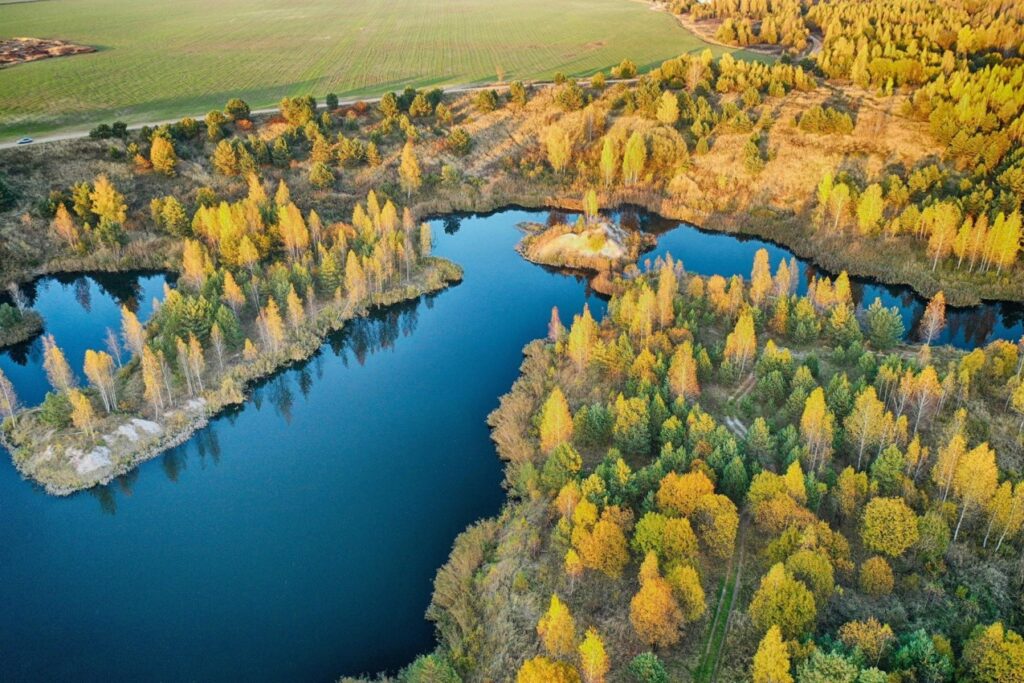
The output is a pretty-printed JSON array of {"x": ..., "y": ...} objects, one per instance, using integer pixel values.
[
  {"x": 99, "y": 369},
  {"x": 668, "y": 286},
  {"x": 582, "y": 334},
  {"x": 8, "y": 399},
  {"x": 688, "y": 591},
  {"x": 151, "y": 380},
  {"x": 934, "y": 318},
  {"x": 771, "y": 661},
  {"x": 795, "y": 484},
  {"x": 82, "y": 414},
  {"x": 864, "y": 425},
  {"x": 543, "y": 670},
  {"x": 872, "y": 637},
  {"x": 556, "y": 421},
  {"x": 355, "y": 279},
  {"x": 783, "y": 601},
  {"x": 975, "y": 481},
  {"x": 717, "y": 522},
  {"x": 851, "y": 491},
  {"x": 162, "y": 155},
  {"x": 816, "y": 427},
  {"x": 296, "y": 313},
  {"x": 653, "y": 611},
  {"x": 668, "y": 108},
  {"x": 573, "y": 565},
  {"x": 107, "y": 202},
  {"x": 58, "y": 372},
  {"x": 559, "y": 148},
  {"x": 194, "y": 263},
  {"x": 889, "y": 526},
  {"x": 741, "y": 344},
  {"x": 994, "y": 654},
  {"x": 273, "y": 325},
  {"x": 679, "y": 493},
  {"x": 761, "y": 278},
  {"x": 947, "y": 463},
  {"x": 233, "y": 295},
  {"x": 609, "y": 161},
  {"x": 248, "y": 254},
  {"x": 876, "y": 577},
  {"x": 557, "y": 629},
  {"x": 682, "y": 373},
  {"x": 634, "y": 159},
  {"x": 64, "y": 225},
  {"x": 409, "y": 173},
  {"x": 249, "y": 351},
  {"x": 602, "y": 548},
  {"x": 814, "y": 568},
  {"x": 593, "y": 658}
]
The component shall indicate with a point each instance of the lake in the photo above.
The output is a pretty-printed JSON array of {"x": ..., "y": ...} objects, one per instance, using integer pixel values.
[{"x": 297, "y": 538}]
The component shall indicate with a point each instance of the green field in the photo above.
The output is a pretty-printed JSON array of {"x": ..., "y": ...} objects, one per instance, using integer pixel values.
[{"x": 161, "y": 59}]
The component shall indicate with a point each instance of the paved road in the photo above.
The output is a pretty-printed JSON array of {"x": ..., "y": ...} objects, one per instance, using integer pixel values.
[{"x": 75, "y": 135}]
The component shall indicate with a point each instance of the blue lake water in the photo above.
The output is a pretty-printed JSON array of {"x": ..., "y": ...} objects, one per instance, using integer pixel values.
[{"x": 297, "y": 538}]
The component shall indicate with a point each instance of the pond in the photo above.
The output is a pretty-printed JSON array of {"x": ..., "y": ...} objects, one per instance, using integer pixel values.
[{"x": 297, "y": 538}]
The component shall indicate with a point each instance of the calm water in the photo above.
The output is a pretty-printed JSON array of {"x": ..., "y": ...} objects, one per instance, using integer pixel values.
[{"x": 297, "y": 538}]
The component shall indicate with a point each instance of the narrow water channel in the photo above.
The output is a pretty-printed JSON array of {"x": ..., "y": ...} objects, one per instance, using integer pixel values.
[{"x": 297, "y": 538}]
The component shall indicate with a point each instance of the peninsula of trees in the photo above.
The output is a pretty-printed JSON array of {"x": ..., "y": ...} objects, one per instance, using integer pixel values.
[{"x": 725, "y": 467}]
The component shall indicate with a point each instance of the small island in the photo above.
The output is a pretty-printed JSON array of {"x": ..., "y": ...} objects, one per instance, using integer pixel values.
[
  {"x": 18, "y": 325},
  {"x": 591, "y": 244}
]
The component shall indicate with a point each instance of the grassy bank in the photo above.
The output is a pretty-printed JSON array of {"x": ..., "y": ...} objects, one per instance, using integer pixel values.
[{"x": 201, "y": 53}]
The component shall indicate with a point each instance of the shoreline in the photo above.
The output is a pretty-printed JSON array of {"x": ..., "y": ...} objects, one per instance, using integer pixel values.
[{"x": 179, "y": 425}]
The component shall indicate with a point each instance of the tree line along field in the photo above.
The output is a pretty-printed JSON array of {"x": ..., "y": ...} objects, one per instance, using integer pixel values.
[{"x": 157, "y": 61}]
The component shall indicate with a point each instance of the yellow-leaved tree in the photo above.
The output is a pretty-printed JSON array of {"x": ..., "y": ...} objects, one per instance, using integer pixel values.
[
  {"x": 555, "y": 422},
  {"x": 771, "y": 661},
  {"x": 654, "y": 611},
  {"x": 557, "y": 629},
  {"x": 593, "y": 658}
]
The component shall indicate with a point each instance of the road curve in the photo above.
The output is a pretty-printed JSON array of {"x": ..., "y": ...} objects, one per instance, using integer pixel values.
[{"x": 76, "y": 135}]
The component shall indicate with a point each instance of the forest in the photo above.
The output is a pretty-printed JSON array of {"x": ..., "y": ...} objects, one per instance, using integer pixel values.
[{"x": 721, "y": 479}]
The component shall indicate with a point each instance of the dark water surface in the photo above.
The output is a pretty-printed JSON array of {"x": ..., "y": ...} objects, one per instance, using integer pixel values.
[{"x": 297, "y": 538}]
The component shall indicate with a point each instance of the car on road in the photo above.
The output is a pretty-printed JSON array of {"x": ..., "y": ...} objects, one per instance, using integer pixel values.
[{"x": 25, "y": 141}]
